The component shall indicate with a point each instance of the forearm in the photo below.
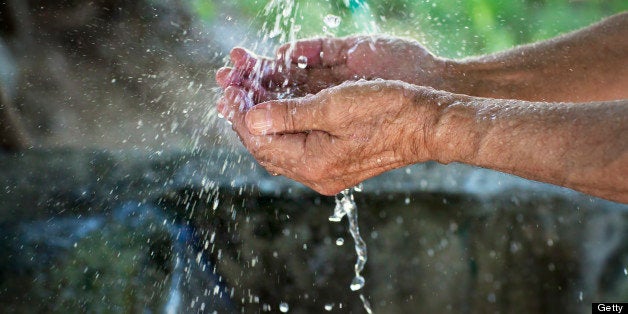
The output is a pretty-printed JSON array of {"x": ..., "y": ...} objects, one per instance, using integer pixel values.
[
  {"x": 590, "y": 64},
  {"x": 583, "y": 147}
]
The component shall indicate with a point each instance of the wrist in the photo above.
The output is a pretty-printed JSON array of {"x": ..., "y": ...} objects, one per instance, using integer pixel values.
[
  {"x": 455, "y": 134},
  {"x": 488, "y": 78},
  {"x": 438, "y": 121}
]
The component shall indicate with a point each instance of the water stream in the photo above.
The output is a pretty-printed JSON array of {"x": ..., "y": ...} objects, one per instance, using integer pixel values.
[
  {"x": 345, "y": 206},
  {"x": 285, "y": 28}
]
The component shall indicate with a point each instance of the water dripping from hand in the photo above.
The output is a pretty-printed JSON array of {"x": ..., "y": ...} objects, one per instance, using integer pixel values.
[{"x": 345, "y": 206}]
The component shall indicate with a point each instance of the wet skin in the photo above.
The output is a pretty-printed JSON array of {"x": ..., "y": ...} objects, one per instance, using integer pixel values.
[{"x": 322, "y": 126}]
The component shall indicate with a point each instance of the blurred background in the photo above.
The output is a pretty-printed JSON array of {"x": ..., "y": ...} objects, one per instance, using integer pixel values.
[
  {"x": 122, "y": 191},
  {"x": 110, "y": 73}
]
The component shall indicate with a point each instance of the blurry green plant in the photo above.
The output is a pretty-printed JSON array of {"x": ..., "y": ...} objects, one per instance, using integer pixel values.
[
  {"x": 451, "y": 28},
  {"x": 204, "y": 8}
]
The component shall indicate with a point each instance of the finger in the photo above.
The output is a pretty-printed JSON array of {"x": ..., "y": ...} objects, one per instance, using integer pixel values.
[
  {"x": 298, "y": 82},
  {"x": 241, "y": 58},
  {"x": 256, "y": 73},
  {"x": 283, "y": 76},
  {"x": 224, "y": 108},
  {"x": 269, "y": 73},
  {"x": 229, "y": 76},
  {"x": 221, "y": 105},
  {"x": 310, "y": 49},
  {"x": 226, "y": 77},
  {"x": 250, "y": 64},
  {"x": 286, "y": 116},
  {"x": 279, "y": 154},
  {"x": 222, "y": 76},
  {"x": 319, "y": 52},
  {"x": 259, "y": 94},
  {"x": 234, "y": 102},
  {"x": 282, "y": 152}
]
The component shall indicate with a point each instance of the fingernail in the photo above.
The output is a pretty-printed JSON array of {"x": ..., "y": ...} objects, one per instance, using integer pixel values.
[
  {"x": 258, "y": 121},
  {"x": 236, "y": 55}
]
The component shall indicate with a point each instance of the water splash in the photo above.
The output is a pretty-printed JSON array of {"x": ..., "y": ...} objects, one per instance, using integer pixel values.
[
  {"x": 332, "y": 21},
  {"x": 367, "y": 305},
  {"x": 302, "y": 62},
  {"x": 284, "y": 307},
  {"x": 284, "y": 28},
  {"x": 362, "y": 16},
  {"x": 345, "y": 206}
]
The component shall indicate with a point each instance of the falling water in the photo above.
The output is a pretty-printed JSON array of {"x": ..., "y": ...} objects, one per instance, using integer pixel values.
[
  {"x": 284, "y": 28},
  {"x": 345, "y": 206},
  {"x": 345, "y": 202}
]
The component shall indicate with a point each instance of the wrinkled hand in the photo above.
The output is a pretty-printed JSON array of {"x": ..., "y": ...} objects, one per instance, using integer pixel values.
[
  {"x": 338, "y": 137},
  {"x": 331, "y": 61}
]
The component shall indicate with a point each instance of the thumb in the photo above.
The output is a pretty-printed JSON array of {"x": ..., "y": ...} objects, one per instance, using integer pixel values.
[{"x": 285, "y": 116}]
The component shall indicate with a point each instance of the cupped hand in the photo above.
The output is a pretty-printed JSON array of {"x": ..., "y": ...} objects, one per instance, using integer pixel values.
[
  {"x": 309, "y": 66},
  {"x": 340, "y": 136}
]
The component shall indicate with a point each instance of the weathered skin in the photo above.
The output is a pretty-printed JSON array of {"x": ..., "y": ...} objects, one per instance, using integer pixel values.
[{"x": 542, "y": 111}]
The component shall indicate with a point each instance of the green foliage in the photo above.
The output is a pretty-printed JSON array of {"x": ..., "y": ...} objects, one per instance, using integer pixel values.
[
  {"x": 452, "y": 28},
  {"x": 204, "y": 8}
]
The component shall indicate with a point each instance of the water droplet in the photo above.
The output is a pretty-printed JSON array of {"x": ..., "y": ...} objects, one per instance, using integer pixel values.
[
  {"x": 332, "y": 20},
  {"x": 287, "y": 9},
  {"x": 357, "y": 283},
  {"x": 359, "y": 187},
  {"x": 329, "y": 307},
  {"x": 340, "y": 241},
  {"x": 302, "y": 62},
  {"x": 283, "y": 307},
  {"x": 345, "y": 206},
  {"x": 215, "y": 204},
  {"x": 367, "y": 305}
]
